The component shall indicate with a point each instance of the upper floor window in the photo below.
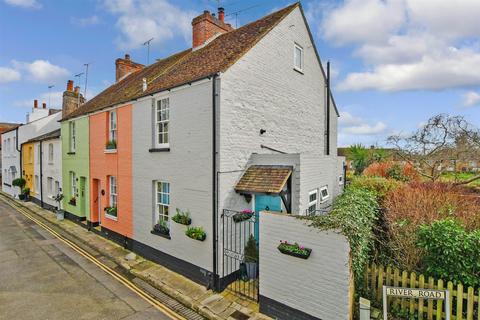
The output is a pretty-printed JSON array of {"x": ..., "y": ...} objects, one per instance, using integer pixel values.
[
  {"x": 162, "y": 118},
  {"x": 73, "y": 184},
  {"x": 37, "y": 184},
  {"x": 112, "y": 126},
  {"x": 298, "y": 57},
  {"x": 50, "y": 186},
  {"x": 39, "y": 154},
  {"x": 14, "y": 145},
  {"x": 73, "y": 141},
  {"x": 50, "y": 152},
  {"x": 8, "y": 146}
]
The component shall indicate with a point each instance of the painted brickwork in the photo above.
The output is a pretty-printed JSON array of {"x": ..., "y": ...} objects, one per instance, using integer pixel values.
[
  {"x": 77, "y": 162},
  {"x": 187, "y": 167},
  {"x": 106, "y": 163},
  {"x": 318, "y": 286}
]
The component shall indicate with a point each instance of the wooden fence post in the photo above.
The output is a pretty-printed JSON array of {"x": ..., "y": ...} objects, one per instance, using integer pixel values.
[
  {"x": 421, "y": 285},
  {"x": 404, "y": 284},
  {"x": 459, "y": 301},
  {"x": 413, "y": 280},
  {"x": 430, "y": 302},
  {"x": 450, "y": 289},
  {"x": 380, "y": 283},
  {"x": 439, "y": 302},
  {"x": 470, "y": 303}
]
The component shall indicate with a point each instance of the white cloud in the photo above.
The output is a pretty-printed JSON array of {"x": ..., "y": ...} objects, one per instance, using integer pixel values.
[
  {"x": 358, "y": 21},
  {"x": 451, "y": 69},
  {"x": 42, "y": 70},
  {"x": 471, "y": 99},
  {"x": 406, "y": 44},
  {"x": 32, "y": 4},
  {"x": 9, "y": 75},
  {"x": 87, "y": 21},
  {"x": 350, "y": 124},
  {"x": 139, "y": 21}
]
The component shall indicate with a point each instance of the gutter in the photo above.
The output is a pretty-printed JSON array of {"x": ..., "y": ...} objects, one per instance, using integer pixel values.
[
  {"x": 214, "y": 280},
  {"x": 41, "y": 174},
  {"x": 327, "y": 112},
  {"x": 19, "y": 151}
]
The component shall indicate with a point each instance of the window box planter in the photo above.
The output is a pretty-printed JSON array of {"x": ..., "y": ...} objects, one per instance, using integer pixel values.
[
  {"x": 111, "y": 145},
  {"x": 26, "y": 194},
  {"x": 196, "y": 233},
  {"x": 111, "y": 211},
  {"x": 21, "y": 196},
  {"x": 161, "y": 229},
  {"x": 294, "y": 250},
  {"x": 72, "y": 201},
  {"x": 243, "y": 216},
  {"x": 182, "y": 218}
]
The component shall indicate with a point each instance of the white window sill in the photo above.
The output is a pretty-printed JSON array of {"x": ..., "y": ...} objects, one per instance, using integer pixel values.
[
  {"x": 111, "y": 217},
  {"x": 110, "y": 150},
  {"x": 298, "y": 70}
]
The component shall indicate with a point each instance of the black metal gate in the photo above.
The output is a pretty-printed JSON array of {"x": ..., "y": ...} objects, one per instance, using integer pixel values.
[{"x": 240, "y": 263}]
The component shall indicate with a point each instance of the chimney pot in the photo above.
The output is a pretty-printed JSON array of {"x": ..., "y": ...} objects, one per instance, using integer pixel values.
[
  {"x": 70, "y": 85},
  {"x": 77, "y": 89},
  {"x": 35, "y": 103},
  {"x": 221, "y": 14},
  {"x": 44, "y": 105},
  {"x": 127, "y": 56}
]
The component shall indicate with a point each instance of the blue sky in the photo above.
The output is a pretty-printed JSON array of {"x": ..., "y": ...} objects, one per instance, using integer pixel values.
[{"x": 395, "y": 63}]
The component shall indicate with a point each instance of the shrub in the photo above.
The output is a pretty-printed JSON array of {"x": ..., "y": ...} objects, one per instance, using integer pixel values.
[
  {"x": 354, "y": 214},
  {"x": 19, "y": 182},
  {"x": 162, "y": 227},
  {"x": 392, "y": 170},
  {"x": 378, "y": 185},
  {"x": 251, "y": 250},
  {"x": 423, "y": 203},
  {"x": 450, "y": 252}
]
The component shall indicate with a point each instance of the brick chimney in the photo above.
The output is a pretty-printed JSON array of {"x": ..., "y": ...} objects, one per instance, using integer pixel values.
[
  {"x": 71, "y": 99},
  {"x": 35, "y": 103},
  {"x": 44, "y": 105},
  {"x": 125, "y": 66},
  {"x": 206, "y": 26}
]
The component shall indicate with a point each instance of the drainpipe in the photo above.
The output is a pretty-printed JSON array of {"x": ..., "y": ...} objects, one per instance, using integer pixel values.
[
  {"x": 41, "y": 174},
  {"x": 214, "y": 282},
  {"x": 20, "y": 152},
  {"x": 327, "y": 112}
]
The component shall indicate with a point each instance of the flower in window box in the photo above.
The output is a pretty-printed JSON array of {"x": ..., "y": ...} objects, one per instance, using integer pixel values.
[
  {"x": 196, "y": 233},
  {"x": 111, "y": 145},
  {"x": 182, "y": 217},
  {"x": 162, "y": 227},
  {"x": 294, "y": 250},
  {"x": 243, "y": 215}
]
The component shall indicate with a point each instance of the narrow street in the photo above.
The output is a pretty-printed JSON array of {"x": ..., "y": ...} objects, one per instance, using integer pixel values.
[{"x": 42, "y": 278}]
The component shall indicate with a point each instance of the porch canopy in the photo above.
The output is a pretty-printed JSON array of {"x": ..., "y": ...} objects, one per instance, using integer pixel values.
[{"x": 264, "y": 179}]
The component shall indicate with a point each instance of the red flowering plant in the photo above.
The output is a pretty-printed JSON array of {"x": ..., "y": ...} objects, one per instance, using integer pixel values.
[
  {"x": 294, "y": 249},
  {"x": 243, "y": 215}
]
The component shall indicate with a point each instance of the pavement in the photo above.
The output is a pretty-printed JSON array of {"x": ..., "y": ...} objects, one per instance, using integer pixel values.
[
  {"x": 205, "y": 302},
  {"x": 42, "y": 278}
]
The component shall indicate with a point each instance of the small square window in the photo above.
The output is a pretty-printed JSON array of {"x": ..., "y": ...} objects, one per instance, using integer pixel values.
[
  {"x": 324, "y": 195},
  {"x": 298, "y": 57},
  {"x": 312, "y": 201}
]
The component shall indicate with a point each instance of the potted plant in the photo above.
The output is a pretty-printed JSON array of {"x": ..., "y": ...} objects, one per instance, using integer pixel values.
[
  {"x": 73, "y": 201},
  {"x": 182, "y": 217},
  {"x": 59, "y": 212},
  {"x": 161, "y": 228},
  {"x": 25, "y": 193},
  {"x": 294, "y": 250},
  {"x": 251, "y": 257},
  {"x": 196, "y": 233},
  {"x": 111, "y": 145},
  {"x": 20, "y": 183},
  {"x": 243, "y": 215},
  {"x": 111, "y": 211}
]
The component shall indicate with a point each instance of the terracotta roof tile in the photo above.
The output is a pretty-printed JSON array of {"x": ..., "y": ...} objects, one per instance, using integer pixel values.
[
  {"x": 185, "y": 66},
  {"x": 264, "y": 179}
]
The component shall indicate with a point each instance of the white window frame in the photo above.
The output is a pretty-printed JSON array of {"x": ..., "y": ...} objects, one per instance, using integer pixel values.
[
  {"x": 57, "y": 188},
  {"x": 340, "y": 180},
  {"x": 73, "y": 138},
  {"x": 113, "y": 194},
  {"x": 37, "y": 184},
  {"x": 112, "y": 126},
  {"x": 322, "y": 197},
  {"x": 162, "y": 107},
  {"x": 73, "y": 184},
  {"x": 50, "y": 153},
  {"x": 14, "y": 146},
  {"x": 301, "y": 67},
  {"x": 162, "y": 201},
  {"x": 312, "y": 203}
]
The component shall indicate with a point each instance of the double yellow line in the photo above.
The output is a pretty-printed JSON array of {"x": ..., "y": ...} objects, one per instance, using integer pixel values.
[{"x": 117, "y": 276}]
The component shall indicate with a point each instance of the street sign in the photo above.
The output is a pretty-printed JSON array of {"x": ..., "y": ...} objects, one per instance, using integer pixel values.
[{"x": 414, "y": 293}]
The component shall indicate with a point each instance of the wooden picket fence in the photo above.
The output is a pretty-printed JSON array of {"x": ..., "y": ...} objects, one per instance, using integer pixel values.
[{"x": 465, "y": 304}]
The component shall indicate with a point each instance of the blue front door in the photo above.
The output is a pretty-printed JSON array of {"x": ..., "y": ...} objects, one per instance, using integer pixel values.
[{"x": 265, "y": 203}]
